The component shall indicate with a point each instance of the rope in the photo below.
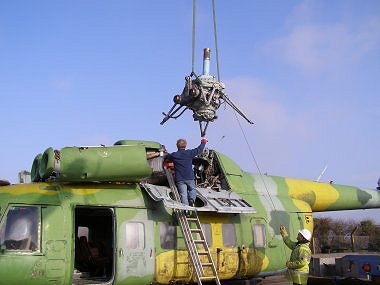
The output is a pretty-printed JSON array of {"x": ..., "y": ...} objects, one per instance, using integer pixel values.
[
  {"x": 255, "y": 161},
  {"x": 216, "y": 39},
  {"x": 193, "y": 40}
]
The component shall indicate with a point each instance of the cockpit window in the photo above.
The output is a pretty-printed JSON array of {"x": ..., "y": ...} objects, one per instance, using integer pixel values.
[{"x": 19, "y": 231}]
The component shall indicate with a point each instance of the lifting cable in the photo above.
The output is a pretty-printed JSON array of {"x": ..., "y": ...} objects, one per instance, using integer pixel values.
[
  {"x": 215, "y": 39},
  {"x": 255, "y": 161},
  {"x": 193, "y": 40},
  {"x": 218, "y": 73}
]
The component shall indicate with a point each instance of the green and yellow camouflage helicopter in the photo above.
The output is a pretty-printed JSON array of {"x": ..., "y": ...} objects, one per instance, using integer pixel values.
[
  {"x": 111, "y": 214},
  {"x": 107, "y": 215}
]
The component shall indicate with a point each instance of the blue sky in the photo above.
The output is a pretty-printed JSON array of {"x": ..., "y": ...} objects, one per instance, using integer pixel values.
[{"x": 76, "y": 73}]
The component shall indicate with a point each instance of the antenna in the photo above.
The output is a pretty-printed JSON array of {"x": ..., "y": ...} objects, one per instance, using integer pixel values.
[{"x": 323, "y": 172}]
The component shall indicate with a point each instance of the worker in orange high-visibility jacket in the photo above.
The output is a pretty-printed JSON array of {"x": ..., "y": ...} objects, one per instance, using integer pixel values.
[{"x": 298, "y": 263}]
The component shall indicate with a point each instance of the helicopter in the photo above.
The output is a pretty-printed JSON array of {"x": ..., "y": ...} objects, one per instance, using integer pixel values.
[{"x": 108, "y": 215}]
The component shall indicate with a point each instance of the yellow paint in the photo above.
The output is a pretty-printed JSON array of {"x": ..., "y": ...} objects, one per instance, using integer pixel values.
[
  {"x": 309, "y": 222},
  {"x": 265, "y": 263},
  {"x": 215, "y": 222},
  {"x": 43, "y": 189},
  {"x": 22, "y": 190},
  {"x": 79, "y": 191},
  {"x": 302, "y": 205},
  {"x": 173, "y": 265},
  {"x": 213, "y": 218},
  {"x": 320, "y": 195}
]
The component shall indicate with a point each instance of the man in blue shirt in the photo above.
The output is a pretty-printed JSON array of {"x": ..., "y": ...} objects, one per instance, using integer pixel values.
[{"x": 184, "y": 173}]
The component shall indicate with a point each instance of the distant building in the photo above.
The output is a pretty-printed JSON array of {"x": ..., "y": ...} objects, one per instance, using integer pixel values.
[{"x": 24, "y": 177}]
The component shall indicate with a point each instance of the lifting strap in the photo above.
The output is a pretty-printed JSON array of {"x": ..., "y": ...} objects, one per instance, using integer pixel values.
[{"x": 195, "y": 240}]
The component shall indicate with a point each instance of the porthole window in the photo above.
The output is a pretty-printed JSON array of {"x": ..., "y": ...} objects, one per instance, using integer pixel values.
[
  {"x": 229, "y": 235},
  {"x": 207, "y": 232},
  {"x": 168, "y": 236},
  {"x": 259, "y": 235},
  {"x": 135, "y": 235}
]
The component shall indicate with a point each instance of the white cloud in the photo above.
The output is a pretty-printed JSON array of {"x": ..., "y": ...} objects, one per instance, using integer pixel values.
[
  {"x": 279, "y": 131},
  {"x": 317, "y": 47},
  {"x": 253, "y": 99},
  {"x": 262, "y": 104}
]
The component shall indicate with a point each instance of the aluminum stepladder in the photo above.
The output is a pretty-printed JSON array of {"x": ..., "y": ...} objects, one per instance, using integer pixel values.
[{"x": 195, "y": 240}]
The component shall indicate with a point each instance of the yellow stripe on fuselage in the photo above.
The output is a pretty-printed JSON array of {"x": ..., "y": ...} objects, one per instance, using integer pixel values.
[
  {"x": 82, "y": 191},
  {"x": 21, "y": 189},
  {"x": 318, "y": 195}
]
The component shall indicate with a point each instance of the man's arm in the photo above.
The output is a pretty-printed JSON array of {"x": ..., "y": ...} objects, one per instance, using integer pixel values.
[
  {"x": 199, "y": 149},
  {"x": 286, "y": 238}
]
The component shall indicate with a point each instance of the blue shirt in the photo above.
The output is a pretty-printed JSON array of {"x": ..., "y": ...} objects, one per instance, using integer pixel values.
[{"x": 183, "y": 162}]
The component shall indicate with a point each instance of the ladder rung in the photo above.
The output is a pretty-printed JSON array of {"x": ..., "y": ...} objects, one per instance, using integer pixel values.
[
  {"x": 199, "y": 240},
  {"x": 196, "y": 230},
  {"x": 191, "y": 219},
  {"x": 208, "y": 277},
  {"x": 207, "y": 264}
]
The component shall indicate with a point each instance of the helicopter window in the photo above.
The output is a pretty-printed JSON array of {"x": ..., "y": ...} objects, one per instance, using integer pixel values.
[
  {"x": 229, "y": 235},
  {"x": 259, "y": 236},
  {"x": 168, "y": 236},
  {"x": 20, "y": 229},
  {"x": 207, "y": 232},
  {"x": 135, "y": 235}
]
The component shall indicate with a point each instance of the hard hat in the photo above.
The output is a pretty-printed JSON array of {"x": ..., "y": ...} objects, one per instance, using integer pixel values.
[{"x": 306, "y": 234}]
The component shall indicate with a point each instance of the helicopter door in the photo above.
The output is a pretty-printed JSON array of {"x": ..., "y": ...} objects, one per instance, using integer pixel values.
[{"x": 135, "y": 246}]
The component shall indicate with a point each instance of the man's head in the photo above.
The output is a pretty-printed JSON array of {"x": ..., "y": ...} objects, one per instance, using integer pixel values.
[
  {"x": 304, "y": 234},
  {"x": 181, "y": 144}
]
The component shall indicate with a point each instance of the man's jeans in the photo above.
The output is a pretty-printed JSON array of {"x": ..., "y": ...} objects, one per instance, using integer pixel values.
[{"x": 186, "y": 190}]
